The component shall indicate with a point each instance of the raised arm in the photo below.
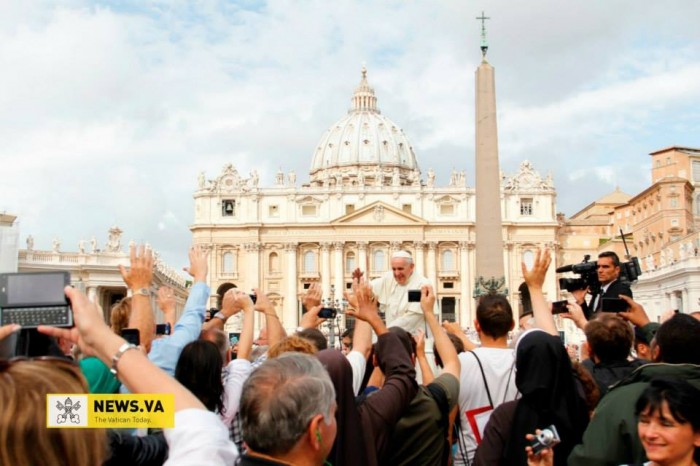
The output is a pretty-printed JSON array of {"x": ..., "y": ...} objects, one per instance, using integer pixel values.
[
  {"x": 456, "y": 330},
  {"x": 366, "y": 307},
  {"x": 194, "y": 427},
  {"x": 138, "y": 278},
  {"x": 166, "y": 303},
  {"x": 275, "y": 331},
  {"x": 425, "y": 369},
  {"x": 534, "y": 279},
  {"x": 447, "y": 351}
]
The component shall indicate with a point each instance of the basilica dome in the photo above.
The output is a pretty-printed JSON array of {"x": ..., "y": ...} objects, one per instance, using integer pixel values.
[{"x": 364, "y": 147}]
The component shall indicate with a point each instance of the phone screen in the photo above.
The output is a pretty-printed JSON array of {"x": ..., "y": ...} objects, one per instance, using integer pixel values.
[
  {"x": 614, "y": 305},
  {"x": 132, "y": 335},
  {"x": 559, "y": 307}
]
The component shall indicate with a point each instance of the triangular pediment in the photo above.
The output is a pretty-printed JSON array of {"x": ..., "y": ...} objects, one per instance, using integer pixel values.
[{"x": 379, "y": 213}]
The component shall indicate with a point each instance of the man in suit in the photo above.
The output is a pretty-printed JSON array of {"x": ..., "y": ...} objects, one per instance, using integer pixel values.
[{"x": 611, "y": 287}]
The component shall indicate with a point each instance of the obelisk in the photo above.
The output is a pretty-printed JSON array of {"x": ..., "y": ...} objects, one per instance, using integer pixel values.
[{"x": 490, "y": 278}]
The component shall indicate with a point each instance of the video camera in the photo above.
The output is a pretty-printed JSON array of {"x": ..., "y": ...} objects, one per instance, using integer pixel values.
[{"x": 588, "y": 271}]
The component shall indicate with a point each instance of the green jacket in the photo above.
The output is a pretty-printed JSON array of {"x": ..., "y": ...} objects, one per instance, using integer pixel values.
[{"x": 611, "y": 437}]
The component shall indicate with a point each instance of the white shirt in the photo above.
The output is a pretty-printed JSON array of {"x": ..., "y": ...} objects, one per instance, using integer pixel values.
[
  {"x": 499, "y": 371},
  {"x": 199, "y": 437}
]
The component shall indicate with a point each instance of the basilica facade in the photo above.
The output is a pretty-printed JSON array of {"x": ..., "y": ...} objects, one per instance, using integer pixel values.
[{"x": 364, "y": 198}]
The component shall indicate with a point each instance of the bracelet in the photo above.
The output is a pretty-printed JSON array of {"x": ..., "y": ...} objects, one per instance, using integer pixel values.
[{"x": 115, "y": 359}]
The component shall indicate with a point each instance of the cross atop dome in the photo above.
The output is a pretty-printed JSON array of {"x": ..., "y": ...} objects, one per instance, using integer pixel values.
[{"x": 364, "y": 100}]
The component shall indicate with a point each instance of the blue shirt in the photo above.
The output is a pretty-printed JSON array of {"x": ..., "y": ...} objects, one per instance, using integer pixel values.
[{"x": 166, "y": 351}]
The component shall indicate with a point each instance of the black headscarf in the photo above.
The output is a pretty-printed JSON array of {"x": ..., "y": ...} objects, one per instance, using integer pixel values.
[
  {"x": 545, "y": 379},
  {"x": 349, "y": 446}
]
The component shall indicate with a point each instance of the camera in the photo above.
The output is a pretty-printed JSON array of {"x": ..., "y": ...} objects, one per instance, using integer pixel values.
[
  {"x": 588, "y": 274},
  {"x": 414, "y": 296},
  {"x": 547, "y": 438},
  {"x": 327, "y": 313}
]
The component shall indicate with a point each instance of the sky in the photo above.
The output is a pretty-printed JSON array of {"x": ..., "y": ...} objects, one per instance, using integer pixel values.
[{"x": 110, "y": 110}]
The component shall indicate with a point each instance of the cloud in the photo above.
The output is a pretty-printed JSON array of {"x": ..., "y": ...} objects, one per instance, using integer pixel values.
[{"x": 111, "y": 109}]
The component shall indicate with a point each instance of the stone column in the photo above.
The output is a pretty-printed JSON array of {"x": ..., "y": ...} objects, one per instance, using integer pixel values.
[
  {"x": 338, "y": 275},
  {"x": 92, "y": 293},
  {"x": 464, "y": 280},
  {"x": 252, "y": 267},
  {"x": 430, "y": 266},
  {"x": 362, "y": 257},
  {"x": 419, "y": 257},
  {"x": 290, "y": 312},
  {"x": 325, "y": 269}
]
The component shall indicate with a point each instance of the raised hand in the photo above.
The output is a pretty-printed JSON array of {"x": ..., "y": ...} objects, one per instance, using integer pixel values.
[
  {"x": 199, "y": 263},
  {"x": 312, "y": 297},
  {"x": 140, "y": 273}
]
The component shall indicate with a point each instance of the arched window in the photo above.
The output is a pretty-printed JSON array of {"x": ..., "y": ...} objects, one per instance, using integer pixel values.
[
  {"x": 350, "y": 262},
  {"x": 448, "y": 260},
  {"x": 274, "y": 262},
  {"x": 309, "y": 262},
  {"x": 378, "y": 261},
  {"x": 228, "y": 264}
]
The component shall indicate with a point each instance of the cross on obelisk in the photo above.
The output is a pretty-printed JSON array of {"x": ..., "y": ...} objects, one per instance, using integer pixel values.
[{"x": 484, "y": 43}]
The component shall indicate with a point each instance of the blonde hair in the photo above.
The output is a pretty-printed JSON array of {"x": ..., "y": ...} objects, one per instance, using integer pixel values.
[
  {"x": 23, "y": 432},
  {"x": 291, "y": 344},
  {"x": 119, "y": 315}
]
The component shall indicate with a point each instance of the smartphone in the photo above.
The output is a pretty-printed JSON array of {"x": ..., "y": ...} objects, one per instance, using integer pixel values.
[
  {"x": 253, "y": 297},
  {"x": 132, "y": 335},
  {"x": 614, "y": 305},
  {"x": 35, "y": 298},
  {"x": 327, "y": 313},
  {"x": 233, "y": 338},
  {"x": 413, "y": 296},
  {"x": 8, "y": 346},
  {"x": 559, "y": 307},
  {"x": 163, "y": 329}
]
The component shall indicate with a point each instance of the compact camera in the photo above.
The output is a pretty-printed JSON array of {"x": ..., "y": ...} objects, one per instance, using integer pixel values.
[
  {"x": 547, "y": 438},
  {"x": 327, "y": 313}
]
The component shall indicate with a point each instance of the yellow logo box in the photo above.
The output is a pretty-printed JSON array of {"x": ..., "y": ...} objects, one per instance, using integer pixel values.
[{"x": 80, "y": 410}]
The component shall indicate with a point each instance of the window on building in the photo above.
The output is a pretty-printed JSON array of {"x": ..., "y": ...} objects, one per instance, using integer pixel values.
[
  {"x": 227, "y": 262},
  {"x": 309, "y": 210},
  {"x": 697, "y": 205},
  {"x": 274, "y": 211},
  {"x": 674, "y": 202},
  {"x": 228, "y": 208},
  {"x": 448, "y": 285},
  {"x": 447, "y": 209},
  {"x": 408, "y": 208},
  {"x": 350, "y": 262},
  {"x": 310, "y": 262},
  {"x": 274, "y": 262},
  {"x": 696, "y": 171},
  {"x": 306, "y": 286},
  {"x": 378, "y": 261},
  {"x": 528, "y": 258},
  {"x": 674, "y": 222},
  {"x": 526, "y": 206},
  {"x": 448, "y": 260},
  {"x": 349, "y": 208}
]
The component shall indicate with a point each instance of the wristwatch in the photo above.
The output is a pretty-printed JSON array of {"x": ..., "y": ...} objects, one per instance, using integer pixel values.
[
  {"x": 220, "y": 315},
  {"x": 141, "y": 292}
]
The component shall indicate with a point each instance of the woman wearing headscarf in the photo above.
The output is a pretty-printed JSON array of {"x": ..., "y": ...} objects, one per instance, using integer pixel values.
[
  {"x": 550, "y": 396},
  {"x": 549, "y": 391},
  {"x": 364, "y": 430}
]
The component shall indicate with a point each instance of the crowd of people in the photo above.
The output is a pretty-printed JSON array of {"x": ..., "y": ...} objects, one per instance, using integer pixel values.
[{"x": 289, "y": 399}]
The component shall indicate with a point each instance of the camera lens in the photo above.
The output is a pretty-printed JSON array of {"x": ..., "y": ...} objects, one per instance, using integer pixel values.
[{"x": 545, "y": 437}]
